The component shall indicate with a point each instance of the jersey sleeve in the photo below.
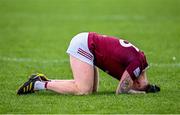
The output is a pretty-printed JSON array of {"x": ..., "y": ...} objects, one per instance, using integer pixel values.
[{"x": 134, "y": 69}]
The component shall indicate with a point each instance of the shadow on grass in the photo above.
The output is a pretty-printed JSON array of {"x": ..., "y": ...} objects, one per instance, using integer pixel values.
[
  {"x": 104, "y": 93},
  {"x": 51, "y": 93}
]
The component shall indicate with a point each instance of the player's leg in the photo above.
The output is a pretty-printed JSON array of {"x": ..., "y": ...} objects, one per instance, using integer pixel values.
[
  {"x": 82, "y": 83},
  {"x": 83, "y": 71},
  {"x": 83, "y": 74},
  {"x": 81, "y": 61},
  {"x": 96, "y": 79}
]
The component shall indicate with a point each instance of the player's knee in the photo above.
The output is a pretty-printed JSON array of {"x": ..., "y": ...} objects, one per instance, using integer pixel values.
[{"x": 84, "y": 91}]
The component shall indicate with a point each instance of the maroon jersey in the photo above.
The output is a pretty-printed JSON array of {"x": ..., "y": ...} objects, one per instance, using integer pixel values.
[{"x": 114, "y": 55}]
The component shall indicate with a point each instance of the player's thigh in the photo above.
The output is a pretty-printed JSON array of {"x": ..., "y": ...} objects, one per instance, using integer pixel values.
[{"x": 83, "y": 74}]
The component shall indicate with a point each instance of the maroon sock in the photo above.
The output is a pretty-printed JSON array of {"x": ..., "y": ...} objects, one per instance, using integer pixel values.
[{"x": 46, "y": 85}]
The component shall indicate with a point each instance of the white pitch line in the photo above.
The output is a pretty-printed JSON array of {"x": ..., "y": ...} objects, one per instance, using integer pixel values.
[
  {"x": 14, "y": 59},
  {"x": 165, "y": 65},
  {"x": 60, "y": 61}
]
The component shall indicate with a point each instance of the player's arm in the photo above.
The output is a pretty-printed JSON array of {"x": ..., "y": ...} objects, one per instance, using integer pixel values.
[
  {"x": 126, "y": 84},
  {"x": 96, "y": 79}
]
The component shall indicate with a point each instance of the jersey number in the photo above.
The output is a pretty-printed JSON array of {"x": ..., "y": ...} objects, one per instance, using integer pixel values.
[{"x": 127, "y": 44}]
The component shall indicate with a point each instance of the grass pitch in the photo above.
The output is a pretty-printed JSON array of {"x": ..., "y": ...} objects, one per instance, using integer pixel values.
[{"x": 34, "y": 35}]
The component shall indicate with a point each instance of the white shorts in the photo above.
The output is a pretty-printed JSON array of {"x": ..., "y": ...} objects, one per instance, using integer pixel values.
[{"x": 78, "y": 48}]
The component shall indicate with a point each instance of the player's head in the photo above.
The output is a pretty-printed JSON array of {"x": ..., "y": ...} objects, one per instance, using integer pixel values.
[
  {"x": 152, "y": 88},
  {"x": 142, "y": 84}
]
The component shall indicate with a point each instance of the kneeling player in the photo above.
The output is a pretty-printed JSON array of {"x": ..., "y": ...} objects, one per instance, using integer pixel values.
[{"x": 89, "y": 51}]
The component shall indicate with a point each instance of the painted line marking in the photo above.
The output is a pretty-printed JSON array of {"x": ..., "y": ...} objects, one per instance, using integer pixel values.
[
  {"x": 60, "y": 61},
  {"x": 14, "y": 59}
]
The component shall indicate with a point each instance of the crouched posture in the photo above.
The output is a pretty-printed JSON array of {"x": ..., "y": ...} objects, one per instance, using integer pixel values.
[{"x": 87, "y": 51}]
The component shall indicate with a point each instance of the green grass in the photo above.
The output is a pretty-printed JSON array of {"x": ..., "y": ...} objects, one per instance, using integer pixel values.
[{"x": 34, "y": 35}]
